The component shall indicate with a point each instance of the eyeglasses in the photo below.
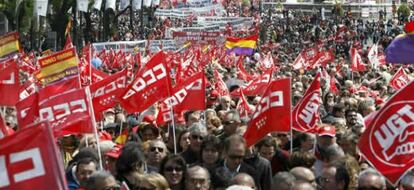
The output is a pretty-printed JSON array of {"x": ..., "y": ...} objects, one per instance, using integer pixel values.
[
  {"x": 236, "y": 157},
  {"x": 170, "y": 169},
  {"x": 322, "y": 180},
  {"x": 228, "y": 122},
  {"x": 281, "y": 135},
  {"x": 197, "y": 181},
  {"x": 112, "y": 188},
  {"x": 141, "y": 188},
  {"x": 195, "y": 137},
  {"x": 369, "y": 188},
  {"x": 153, "y": 149}
]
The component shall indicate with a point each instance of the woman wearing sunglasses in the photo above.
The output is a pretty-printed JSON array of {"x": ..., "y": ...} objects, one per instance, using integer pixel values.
[{"x": 173, "y": 168}]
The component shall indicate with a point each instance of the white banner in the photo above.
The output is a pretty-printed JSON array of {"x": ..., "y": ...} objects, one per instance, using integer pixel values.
[
  {"x": 82, "y": 5},
  {"x": 40, "y": 7},
  {"x": 186, "y": 12},
  {"x": 131, "y": 46},
  {"x": 123, "y": 5},
  {"x": 110, "y": 4},
  {"x": 97, "y": 4},
  {"x": 136, "y": 5},
  {"x": 237, "y": 23},
  {"x": 198, "y": 3},
  {"x": 147, "y": 3}
]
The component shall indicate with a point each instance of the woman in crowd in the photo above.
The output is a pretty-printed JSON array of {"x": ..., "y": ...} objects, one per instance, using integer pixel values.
[{"x": 173, "y": 168}]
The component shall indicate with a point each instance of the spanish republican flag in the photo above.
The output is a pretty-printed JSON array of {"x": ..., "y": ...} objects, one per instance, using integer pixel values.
[
  {"x": 241, "y": 46},
  {"x": 9, "y": 43}
]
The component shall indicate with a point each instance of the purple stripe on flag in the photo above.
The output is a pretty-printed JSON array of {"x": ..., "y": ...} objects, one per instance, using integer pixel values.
[
  {"x": 241, "y": 51},
  {"x": 401, "y": 50}
]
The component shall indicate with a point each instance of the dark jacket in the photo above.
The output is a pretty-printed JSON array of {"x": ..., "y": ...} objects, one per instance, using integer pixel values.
[
  {"x": 220, "y": 178},
  {"x": 263, "y": 170},
  {"x": 71, "y": 179}
]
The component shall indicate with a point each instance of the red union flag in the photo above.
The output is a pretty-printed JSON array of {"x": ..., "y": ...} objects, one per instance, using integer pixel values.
[
  {"x": 356, "y": 61},
  {"x": 306, "y": 112},
  {"x": 29, "y": 158},
  {"x": 300, "y": 62},
  {"x": 67, "y": 113},
  {"x": 192, "y": 94},
  {"x": 273, "y": 112},
  {"x": 256, "y": 87},
  {"x": 400, "y": 79},
  {"x": 97, "y": 75},
  {"x": 151, "y": 84},
  {"x": 219, "y": 85},
  {"x": 387, "y": 141},
  {"x": 27, "y": 110},
  {"x": 106, "y": 93},
  {"x": 9, "y": 85}
]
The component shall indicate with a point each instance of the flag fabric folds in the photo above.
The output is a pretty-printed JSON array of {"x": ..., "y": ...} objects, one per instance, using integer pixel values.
[
  {"x": 241, "y": 46},
  {"x": 401, "y": 50}
]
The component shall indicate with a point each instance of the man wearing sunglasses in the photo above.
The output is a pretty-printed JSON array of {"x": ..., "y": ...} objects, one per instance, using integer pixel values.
[
  {"x": 197, "y": 132},
  {"x": 157, "y": 151},
  {"x": 370, "y": 179},
  {"x": 235, "y": 151},
  {"x": 231, "y": 122}
]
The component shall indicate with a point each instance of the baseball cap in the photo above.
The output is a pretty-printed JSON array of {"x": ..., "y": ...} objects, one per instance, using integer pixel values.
[
  {"x": 115, "y": 152},
  {"x": 327, "y": 130}
]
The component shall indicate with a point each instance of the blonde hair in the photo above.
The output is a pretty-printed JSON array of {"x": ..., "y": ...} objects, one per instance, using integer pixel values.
[
  {"x": 157, "y": 181},
  {"x": 87, "y": 138}
]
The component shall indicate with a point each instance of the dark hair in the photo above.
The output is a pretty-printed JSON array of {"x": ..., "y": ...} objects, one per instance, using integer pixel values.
[
  {"x": 179, "y": 135},
  {"x": 349, "y": 111},
  {"x": 300, "y": 158},
  {"x": 341, "y": 173},
  {"x": 148, "y": 126},
  {"x": 130, "y": 156},
  {"x": 338, "y": 107},
  {"x": 187, "y": 115},
  {"x": 177, "y": 159},
  {"x": 210, "y": 141},
  {"x": 232, "y": 138},
  {"x": 86, "y": 152},
  {"x": 86, "y": 161},
  {"x": 268, "y": 141}
]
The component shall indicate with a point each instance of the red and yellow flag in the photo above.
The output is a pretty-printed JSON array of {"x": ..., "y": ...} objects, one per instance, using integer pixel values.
[{"x": 9, "y": 43}]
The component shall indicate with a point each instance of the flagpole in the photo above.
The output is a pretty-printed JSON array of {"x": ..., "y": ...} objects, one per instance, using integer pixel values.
[
  {"x": 92, "y": 115},
  {"x": 291, "y": 131},
  {"x": 173, "y": 125}
]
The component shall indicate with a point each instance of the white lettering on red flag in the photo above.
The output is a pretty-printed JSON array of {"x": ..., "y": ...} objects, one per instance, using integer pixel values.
[
  {"x": 388, "y": 141},
  {"x": 273, "y": 112}
]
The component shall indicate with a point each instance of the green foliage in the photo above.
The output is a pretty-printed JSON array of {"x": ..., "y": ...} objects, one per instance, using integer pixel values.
[{"x": 404, "y": 10}]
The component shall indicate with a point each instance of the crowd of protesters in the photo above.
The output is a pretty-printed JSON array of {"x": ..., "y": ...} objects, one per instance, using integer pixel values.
[{"x": 206, "y": 150}]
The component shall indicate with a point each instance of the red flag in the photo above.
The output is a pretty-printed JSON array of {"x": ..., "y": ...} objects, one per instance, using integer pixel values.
[
  {"x": 332, "y": 85},
  {"x": 191, "y": 95},
  {"x": 300, "y": 62},
  {"x": 219, "y": 85},
  {"x": 28, "y": 88},
  {"x": 356, "y": 61},
  {"x": 106, "y": 93},
  {"x": 67, "y": 113},
  {"x": 306, "y": 113},
  {"x": 258, "y": 86},
  {"x": 151, "y": 84},
  {"x": 242, "y": 71},
  {"x": 68, "y": 43},
  {"x": 322, "y": 59},
  {"x": 97, "y": 75},
  {"x": 243, "y": 107},
  {"x": 387, "y": 140},
  {"x": 273, "y": 112},
  {"x": 9, "y": 85},
  {"x": 29, "y": 158},
  {"x": 28, "y": 110},
  {"x": 400, "y": 79}
]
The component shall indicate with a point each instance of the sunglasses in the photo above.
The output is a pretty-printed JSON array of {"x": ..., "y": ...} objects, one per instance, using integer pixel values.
[
  {"x": 228, "y": 122},
  {"x": 170, "y": 169},
  {"x": 141, "y": 188},
  {"x": 236, "y": 157},
  {"x": 369, "y": 188},
  {"x": 112, "y": 188},
  {"x": 195, "y": 137},
  {"x": 153, "y": 149}
]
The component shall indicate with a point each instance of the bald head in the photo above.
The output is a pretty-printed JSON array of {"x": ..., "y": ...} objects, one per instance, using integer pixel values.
[
  {"x": 243, "y": 180},
  {"x": 370, "y": 178},
  {"x": 303, "y": 174},
  {"x": 303, "y": 186}
]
